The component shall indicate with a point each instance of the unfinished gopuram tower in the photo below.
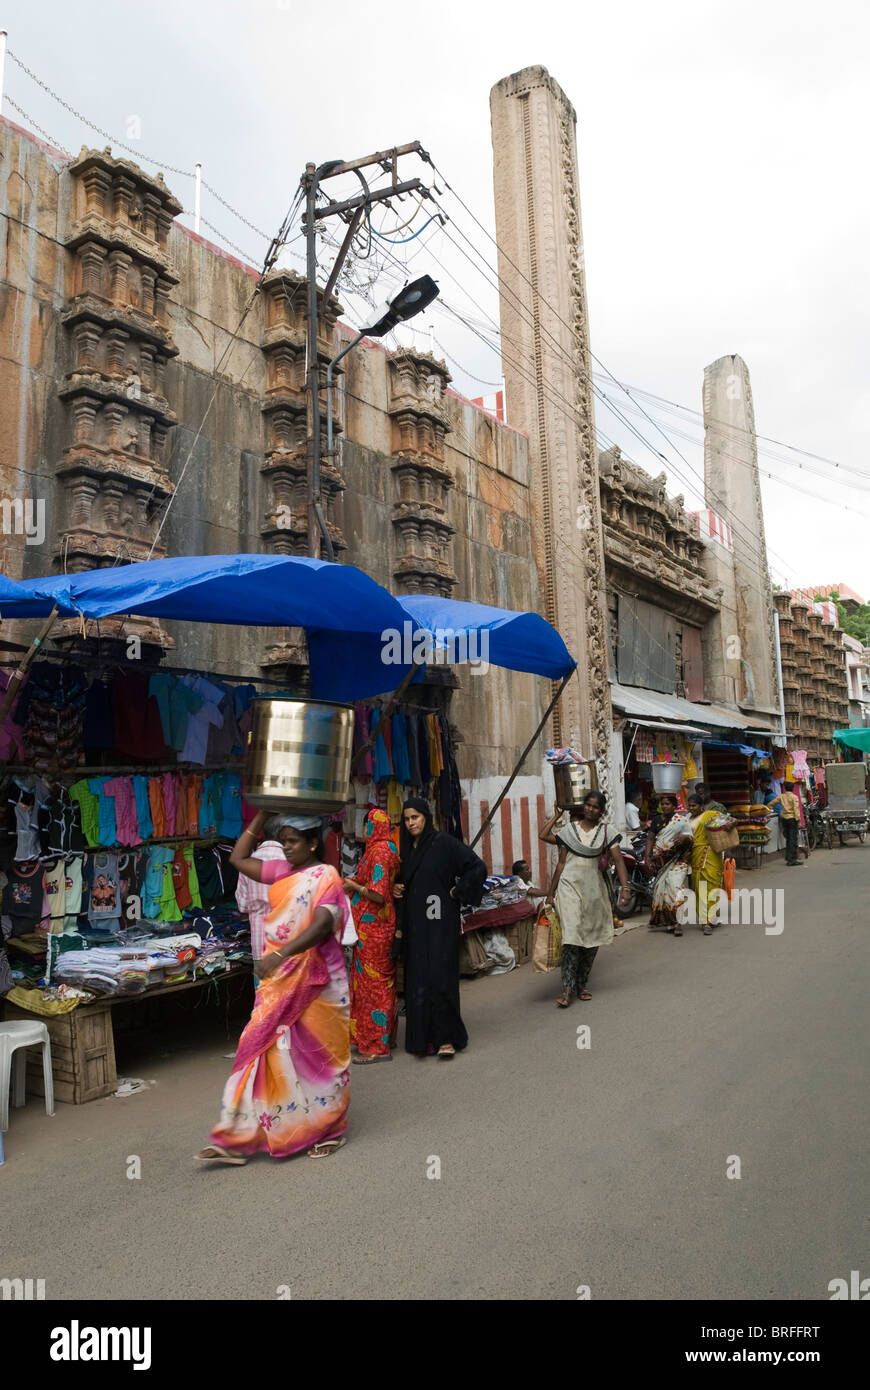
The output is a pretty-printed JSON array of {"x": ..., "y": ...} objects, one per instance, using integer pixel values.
[{"x": 545, "y": 331}]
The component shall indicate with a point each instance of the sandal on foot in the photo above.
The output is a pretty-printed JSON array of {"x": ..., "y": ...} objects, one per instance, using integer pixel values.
[
  {"x": 447, "y": 1052},
  {"x": 212, "y": 1154},
  {"x": 565, "y": 999},
  {"x": 326, "y": 1148},
  {"x": 678, "y": 931},
  {"x": 583, "y": 994},
  {"x": 365, "y": 1059}
]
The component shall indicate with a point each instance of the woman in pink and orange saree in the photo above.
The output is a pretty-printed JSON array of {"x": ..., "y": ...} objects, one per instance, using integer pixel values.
[{"x": 290, "y": 1090}]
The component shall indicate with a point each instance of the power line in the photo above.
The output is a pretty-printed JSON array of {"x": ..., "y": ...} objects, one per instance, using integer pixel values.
[{"x": 736, "y": 522}]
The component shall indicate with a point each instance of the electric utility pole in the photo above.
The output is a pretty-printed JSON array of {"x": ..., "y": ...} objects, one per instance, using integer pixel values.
[{"x": 352, "y": 211}]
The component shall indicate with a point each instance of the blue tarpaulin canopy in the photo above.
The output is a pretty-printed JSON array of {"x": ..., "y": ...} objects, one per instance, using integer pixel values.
[
  {"x": 343, "y": 611},
  {"x": 346, "y": 615},
  {"x": 501, "y": 636}
]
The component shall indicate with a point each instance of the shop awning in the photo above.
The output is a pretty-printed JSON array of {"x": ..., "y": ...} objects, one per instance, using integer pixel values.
[
  {"x": 504, "y": 637},
  {"x": 360, "y": 638},
  {"x": 854, "y": 738},
  {"x": 663, "y": 724},
  {"x": 650, "y": 704},
  {"x": 343, "y": 611}
]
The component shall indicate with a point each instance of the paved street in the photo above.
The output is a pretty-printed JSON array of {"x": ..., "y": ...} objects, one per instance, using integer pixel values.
[{"x": 559, "y": 1167}]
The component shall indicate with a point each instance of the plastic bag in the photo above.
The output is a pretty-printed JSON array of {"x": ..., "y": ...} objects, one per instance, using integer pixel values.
[{"x": 547, "y": 946}]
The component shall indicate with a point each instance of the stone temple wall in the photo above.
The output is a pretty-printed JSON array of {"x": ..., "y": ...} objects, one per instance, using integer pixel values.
[{"x": 114, "y": 398}]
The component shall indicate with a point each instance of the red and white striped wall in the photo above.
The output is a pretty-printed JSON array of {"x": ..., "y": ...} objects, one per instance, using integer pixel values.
[
  {"x": 513, "y": 833},
  {"x": 712, "y": 527}
]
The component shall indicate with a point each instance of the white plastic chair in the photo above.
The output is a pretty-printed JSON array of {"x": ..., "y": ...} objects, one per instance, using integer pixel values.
[{"x": 17, "y": 1037}]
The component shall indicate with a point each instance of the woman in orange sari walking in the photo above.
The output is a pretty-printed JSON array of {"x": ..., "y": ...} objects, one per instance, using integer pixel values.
[
  {"x": 373, "y": 1003},
  {"x": 290, "y": 1085}
]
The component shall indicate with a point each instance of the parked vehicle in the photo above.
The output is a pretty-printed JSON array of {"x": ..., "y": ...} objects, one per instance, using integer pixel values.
[
  {"x": 640, "y": 879},
  {"x": 846, "y": 812}
]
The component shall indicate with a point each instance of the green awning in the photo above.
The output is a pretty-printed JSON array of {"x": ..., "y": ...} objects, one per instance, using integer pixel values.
[{"x": 854, "y": 738}]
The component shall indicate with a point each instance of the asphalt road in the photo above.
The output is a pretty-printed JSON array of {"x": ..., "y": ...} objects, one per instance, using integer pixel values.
[{"x": 560, "y": 1167}]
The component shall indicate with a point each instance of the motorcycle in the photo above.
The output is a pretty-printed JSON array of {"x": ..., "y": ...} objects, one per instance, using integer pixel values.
[{"x": 640, "y": 878}]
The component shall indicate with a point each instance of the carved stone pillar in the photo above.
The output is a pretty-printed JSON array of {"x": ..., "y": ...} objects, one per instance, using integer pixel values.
[
  {"x": 285, "y": 465},
  {"x": 112, "y": 469},
  {"x": 421, "y": 478},
  {"x": 544, "y": 312}
]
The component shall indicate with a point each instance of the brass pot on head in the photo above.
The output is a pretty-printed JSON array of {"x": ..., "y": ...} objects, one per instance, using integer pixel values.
[
  {"x": 299, "y": 755},
  {"x": 573, "y": 781}
]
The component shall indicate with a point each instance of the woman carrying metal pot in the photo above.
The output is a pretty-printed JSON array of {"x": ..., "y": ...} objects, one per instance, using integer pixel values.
[{"x": 578, "y": 890}]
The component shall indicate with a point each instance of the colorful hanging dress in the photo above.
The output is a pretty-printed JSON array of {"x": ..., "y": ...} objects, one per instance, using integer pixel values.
[
  {"x": 373, "y": 1004},
  {"x": 290, "y": 1084}
]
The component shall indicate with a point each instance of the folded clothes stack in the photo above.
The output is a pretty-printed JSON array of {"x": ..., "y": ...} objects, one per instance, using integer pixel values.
[{"x": 499, "y": 890}]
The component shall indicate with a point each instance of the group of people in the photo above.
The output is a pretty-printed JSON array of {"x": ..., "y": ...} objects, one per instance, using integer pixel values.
[{"x": 289, "y": 1090}]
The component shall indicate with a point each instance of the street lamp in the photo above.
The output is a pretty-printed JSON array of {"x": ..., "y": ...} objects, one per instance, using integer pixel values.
[{"x": 411, "y": 300}]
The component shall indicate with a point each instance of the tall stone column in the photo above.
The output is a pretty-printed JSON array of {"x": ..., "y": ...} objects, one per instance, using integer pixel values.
[
  {"x": 732, "y": 488},
  {"x": 549, "y": 389}
]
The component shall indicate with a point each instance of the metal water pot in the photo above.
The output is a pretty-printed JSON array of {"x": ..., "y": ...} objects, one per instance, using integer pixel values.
[
  {"x": 572, "y": 782},
  {"x": 667, "y": 777},
  {"x": 299, "y": 755}
]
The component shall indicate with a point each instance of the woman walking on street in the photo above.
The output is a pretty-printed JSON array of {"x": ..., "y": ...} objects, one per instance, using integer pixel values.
[
  {"x": 373, "y": 1004},
  {"x": 438, "y": 872},
  {"x": 289, "y": 1088},
  {"x": 707, "y": 862},
  {"x": 579, "y": 892},
  {"x": 668, "y": 846}
]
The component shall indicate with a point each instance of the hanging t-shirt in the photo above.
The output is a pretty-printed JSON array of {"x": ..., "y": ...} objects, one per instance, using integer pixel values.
[
  {"x": 193, "y": 802},
  {"x": 208, "y": 876},
  {"x": 210, "y": 806},
  {"x": 177, "y": 702},
  {"x": 60, "y": 825},
  {"x": 192, "y": 877},
  {"x": 73, "y": 892},
  {"x": 107, "y": 833},
  {"x": 179, "y": 880},
  {"x": 169, "y": 909},
  {"x": 170, "y": 802},
  {"x": 55, "y": 892},
  {"x": 11, "y": 733},
  {"x": 27, "y": 843},
  {"x": 126, "y": 817},
  {"x": 23, "y": 898},
  {"x": 98, "y": 731},
  {"x": 196, "y": 741},
  {"x": 143, "y": 806},
  {"x": 104, "y": 901},
  {"x": 231, "y": 805},
  {"x": 152, "y": 886},
  {"x": 399, "y": 748},
  {"x": 158, "y": 810},
  {"x": 138, "y": 732}
]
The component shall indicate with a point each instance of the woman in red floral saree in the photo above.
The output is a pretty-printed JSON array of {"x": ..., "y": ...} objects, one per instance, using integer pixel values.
[
  {"x": 289, "y": 1089},
  {"x": 373, "y": 1003}
]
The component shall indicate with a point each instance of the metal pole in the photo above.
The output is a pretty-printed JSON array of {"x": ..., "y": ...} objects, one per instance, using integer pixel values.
[
  {"x": 334, "y": 363},
  {"x": 197, "y": 196},
  {"x": 779, "y": 676},
  {"x": 3, "y": 37},
  {"x": 525, "y": 753}
]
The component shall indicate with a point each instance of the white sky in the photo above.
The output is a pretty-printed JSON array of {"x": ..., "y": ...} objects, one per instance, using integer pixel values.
[{"x": 723, "y": 182}]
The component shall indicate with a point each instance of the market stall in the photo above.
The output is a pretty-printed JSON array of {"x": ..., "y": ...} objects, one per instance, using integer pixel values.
[{"x": 124, "y": 783}]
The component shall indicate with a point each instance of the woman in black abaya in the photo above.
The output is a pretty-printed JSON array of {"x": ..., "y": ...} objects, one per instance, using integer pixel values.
[{"x": 437, "y": 874}]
